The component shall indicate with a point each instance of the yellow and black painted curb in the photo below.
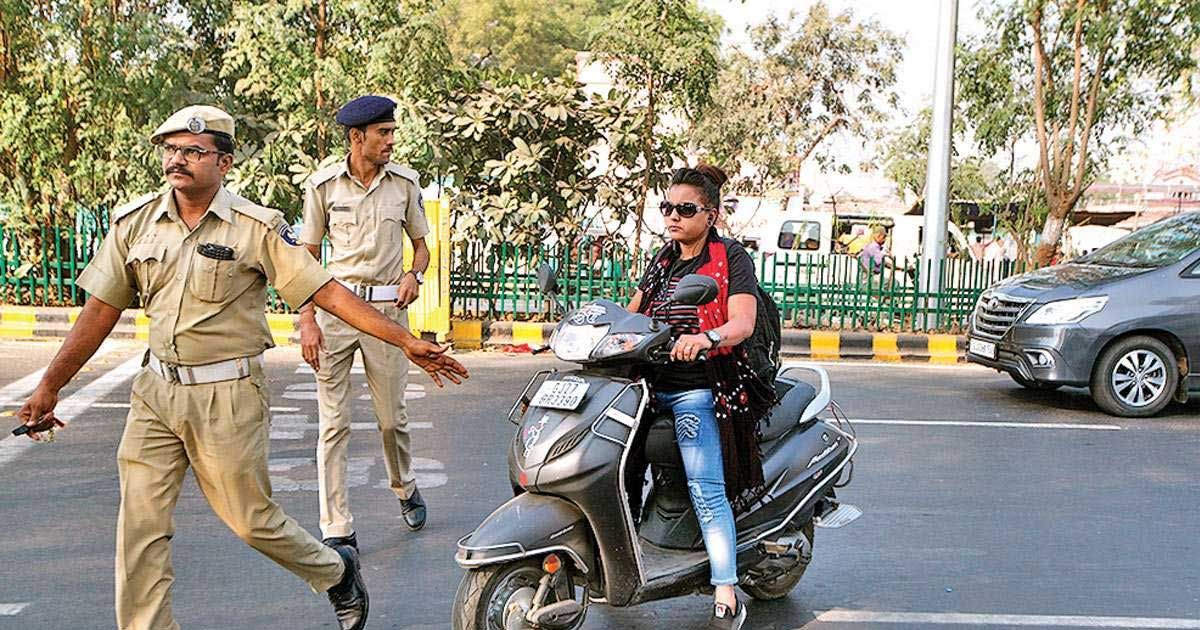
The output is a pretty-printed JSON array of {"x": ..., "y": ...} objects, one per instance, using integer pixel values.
[
  {"x": 24, "y": 322},
  {"x": 812, "y": 344}
]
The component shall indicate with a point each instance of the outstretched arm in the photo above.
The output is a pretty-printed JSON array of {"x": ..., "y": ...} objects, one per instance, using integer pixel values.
[{"x": 346, "y": 306}]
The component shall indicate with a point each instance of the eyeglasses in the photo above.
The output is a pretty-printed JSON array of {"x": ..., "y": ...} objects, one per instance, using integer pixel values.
[
  {"x": 686, "y": 209},
  {"x": 191, "y": 155}
]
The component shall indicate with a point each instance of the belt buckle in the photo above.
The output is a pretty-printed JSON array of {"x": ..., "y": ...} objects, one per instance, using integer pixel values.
[
  {"x": 172, "y": 372},
  {"x": 364, "y": 292}
]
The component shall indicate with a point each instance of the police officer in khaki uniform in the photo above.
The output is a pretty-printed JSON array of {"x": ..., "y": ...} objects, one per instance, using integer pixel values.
[
  {"x": 200, "y": 256},
  {"x": 365, "y": 205}
]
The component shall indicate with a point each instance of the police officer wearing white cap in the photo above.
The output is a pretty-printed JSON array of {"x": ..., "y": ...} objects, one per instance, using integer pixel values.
[
  {"x": 365, "y": 205},
  {"x": 200, "y": 257}
]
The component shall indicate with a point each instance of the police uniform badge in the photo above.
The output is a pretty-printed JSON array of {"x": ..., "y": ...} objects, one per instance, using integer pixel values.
[
  {"x": 196, "y": 124},
  {"x": 285, "y": 232}
]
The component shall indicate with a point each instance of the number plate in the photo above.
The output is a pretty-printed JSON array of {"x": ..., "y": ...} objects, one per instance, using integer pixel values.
[
  {"x": 983, "y": 348},
  {"x": 559, "y": 395}
]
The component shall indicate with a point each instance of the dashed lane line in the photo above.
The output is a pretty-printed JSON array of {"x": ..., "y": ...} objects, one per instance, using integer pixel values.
[
  {"x": 988, "y": 425},
  {"x": 977, "y": 619}
]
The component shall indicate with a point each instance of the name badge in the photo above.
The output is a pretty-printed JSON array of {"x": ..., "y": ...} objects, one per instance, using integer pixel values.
[{"x": 340, "y": 209}]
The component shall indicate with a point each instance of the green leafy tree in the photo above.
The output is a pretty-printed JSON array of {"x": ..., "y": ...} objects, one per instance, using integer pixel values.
[
  {"x": 294, "y": 63},
  {"x": 665, "y": 54},
  {"x": 809, "y": 79},
  {"x": 906, "y": 158},
  {"x": 526, "y": 37},
  {"x": 522, "y": 158},
  {"x": 1074, "y": 76}
]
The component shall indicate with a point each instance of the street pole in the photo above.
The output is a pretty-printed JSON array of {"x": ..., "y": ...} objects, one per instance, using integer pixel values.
[{"x": 937, "y": 175}]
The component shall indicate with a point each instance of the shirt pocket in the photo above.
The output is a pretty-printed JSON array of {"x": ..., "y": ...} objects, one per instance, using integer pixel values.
[
  {"x": 342, "y": 227},
  {"x": 147, "y": 261},
  {"x": 391, "y": 225},
  {"x": 211, "y": 279}
]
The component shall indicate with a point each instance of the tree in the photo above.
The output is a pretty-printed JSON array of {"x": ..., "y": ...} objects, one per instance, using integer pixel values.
[
  {"x": 665, "y": 53},
  {"x": 1075, "y": 75},
  {"x": 295, "y": 63},
  {"x": 906, "y": 157},
  {"x": 523, "y": 158},
  {"x": 526, "y": 37},
  {"x": 805, "y": 82},
  {"x": 82, "y": 84}
]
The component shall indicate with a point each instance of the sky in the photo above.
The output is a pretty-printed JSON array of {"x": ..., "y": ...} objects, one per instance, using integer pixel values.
[{"x": 916, "y": 21}]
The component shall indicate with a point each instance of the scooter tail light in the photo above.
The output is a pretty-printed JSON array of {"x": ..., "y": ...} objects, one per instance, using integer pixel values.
[
  {"x": 552, "y": 564},
  {"x": 523, "y": 479}
]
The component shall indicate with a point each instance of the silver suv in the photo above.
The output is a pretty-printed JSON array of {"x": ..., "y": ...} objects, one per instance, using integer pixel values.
[{"x": 1123, "y": 320}]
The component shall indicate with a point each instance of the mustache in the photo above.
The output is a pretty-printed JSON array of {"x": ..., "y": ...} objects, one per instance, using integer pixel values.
[{"x": 177, "y": 169}]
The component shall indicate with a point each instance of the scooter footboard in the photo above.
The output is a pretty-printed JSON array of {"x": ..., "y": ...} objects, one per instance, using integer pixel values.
[{"x": 529, "y": 525}]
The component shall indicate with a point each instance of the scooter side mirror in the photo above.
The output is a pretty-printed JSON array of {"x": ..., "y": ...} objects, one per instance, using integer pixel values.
[
  {"x": 547, "y": 279},
  {"x": 694, "y": 290}
]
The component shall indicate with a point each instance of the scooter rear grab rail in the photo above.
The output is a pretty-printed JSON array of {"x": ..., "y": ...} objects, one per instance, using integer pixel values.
[{"x": 824, "y": 393}]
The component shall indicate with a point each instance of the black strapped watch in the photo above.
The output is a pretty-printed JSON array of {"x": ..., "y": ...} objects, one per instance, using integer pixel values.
[
  {"x": 714, "y": 337},
  {"x": 420, "y": 277}
]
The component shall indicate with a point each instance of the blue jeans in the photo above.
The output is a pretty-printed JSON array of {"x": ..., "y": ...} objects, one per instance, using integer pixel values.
[{"x": 700, "y": 445}]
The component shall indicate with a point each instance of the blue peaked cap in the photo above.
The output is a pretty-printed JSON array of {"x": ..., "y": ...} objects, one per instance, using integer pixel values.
[{"x": 366, "y": 110}]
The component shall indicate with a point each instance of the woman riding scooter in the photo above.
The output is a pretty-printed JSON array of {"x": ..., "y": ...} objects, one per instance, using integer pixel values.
[{"x": 717, "y": 402}]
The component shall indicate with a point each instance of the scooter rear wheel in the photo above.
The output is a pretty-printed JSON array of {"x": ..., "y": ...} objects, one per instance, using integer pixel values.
[
  {"x": 782, "y": 585},
  {"x": 485, "y": 594}
]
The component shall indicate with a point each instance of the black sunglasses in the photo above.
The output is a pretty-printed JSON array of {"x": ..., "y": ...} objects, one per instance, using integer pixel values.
[{"x": 686, "y": 209}]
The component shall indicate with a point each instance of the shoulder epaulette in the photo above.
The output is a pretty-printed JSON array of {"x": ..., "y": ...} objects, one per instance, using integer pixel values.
[
  {"x": 262, "y": 214},
  {"x": 125, "y": 210},
  {"x": 405, "y": 172},
  {"x": 325, "y": 174}
]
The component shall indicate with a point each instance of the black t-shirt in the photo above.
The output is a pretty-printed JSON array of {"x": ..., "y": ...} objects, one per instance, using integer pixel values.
[{"x": 685, "y": 321}]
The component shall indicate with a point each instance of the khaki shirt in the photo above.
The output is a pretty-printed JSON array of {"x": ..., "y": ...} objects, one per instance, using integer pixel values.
[
  {"x": 201, "y": 309},
  {"x": 365, "y": 224}
]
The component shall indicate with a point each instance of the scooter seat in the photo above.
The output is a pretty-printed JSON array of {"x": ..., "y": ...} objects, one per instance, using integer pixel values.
[{"x": 795, "y": 395}]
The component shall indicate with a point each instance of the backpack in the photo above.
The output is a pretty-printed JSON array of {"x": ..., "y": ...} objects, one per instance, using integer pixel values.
[{"x": 763, "y": 345}]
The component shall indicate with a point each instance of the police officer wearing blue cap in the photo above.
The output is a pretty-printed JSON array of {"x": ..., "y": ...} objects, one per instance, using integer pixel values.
[{"x": 364, "y": 205}]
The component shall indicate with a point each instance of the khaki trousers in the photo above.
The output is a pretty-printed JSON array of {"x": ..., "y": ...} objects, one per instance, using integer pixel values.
[
  {"x": 222, "y": 431},
  {"x": 387, "y": 377}
]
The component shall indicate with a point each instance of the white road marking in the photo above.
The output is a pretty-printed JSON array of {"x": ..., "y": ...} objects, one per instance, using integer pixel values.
[
  {"x": 11, "y": 445},
  {"x": 284, "y": 409},
  {"x": 989, "y": 425},
  {"x": 312, "y": 387},
  {"x": 295, "y": 431},
  {"x": 306, "y": 395},
  {"x": 358, "y": 472},
  {"x": 975, "y": 619},
  {"x": 894, "y": 365},
  {"x": 15, "y": 392},
  {"x": 111, "y": 405},
  {"x": 10, "y": 610}
]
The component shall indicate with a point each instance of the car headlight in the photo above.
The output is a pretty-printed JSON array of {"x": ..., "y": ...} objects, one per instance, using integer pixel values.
[
  {"x": 619, "y": 343},
  {"x": 575, "y": 343},
  {"x": 1067, "y": 311}
]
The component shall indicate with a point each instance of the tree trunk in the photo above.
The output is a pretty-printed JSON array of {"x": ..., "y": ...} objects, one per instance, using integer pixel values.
[
  {"x": 1051, "y": 233},
  {"x": 648, "y": 156},
  {"x": 318, "y": 55}
]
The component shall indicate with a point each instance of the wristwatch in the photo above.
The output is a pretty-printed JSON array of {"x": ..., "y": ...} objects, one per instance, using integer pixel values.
[
  {"x": 714, "y": 337},
  {"x": 419, "y": 276}
]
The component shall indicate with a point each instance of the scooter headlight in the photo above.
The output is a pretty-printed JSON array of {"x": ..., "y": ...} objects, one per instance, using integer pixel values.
[
  {"x": 617, "y": 344},
  {"x": 575, "y": 343}
]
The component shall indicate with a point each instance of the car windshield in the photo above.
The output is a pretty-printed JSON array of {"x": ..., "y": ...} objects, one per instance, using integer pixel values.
[{"x": 1160, "y": 244}]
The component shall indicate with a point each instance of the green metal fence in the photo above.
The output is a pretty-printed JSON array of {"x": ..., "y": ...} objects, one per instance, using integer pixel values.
[
  {"x": 499, "y": 281},
  {"x": 812, "y": 291}
]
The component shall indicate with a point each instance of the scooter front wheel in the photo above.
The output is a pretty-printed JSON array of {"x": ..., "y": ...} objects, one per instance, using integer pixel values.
[{"x": 498, "y": 597}]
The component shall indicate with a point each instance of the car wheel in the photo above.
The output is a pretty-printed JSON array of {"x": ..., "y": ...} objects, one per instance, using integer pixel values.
[
  {"x": 1135, "y": 377},
  {"x": 1031, "y": 384}
]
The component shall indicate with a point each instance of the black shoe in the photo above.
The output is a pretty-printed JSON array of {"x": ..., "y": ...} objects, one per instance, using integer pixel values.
[
  {"x": 413, "y": 510},
  {"x": 725, "y": 619},
  {"x": 337, "y": 541},
  {"x": 349, "y": 597}
]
